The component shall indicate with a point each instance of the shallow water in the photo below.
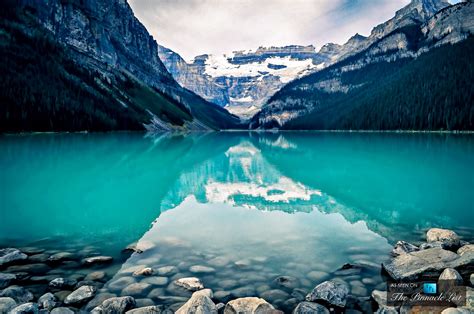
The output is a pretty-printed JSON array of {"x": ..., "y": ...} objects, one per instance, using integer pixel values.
[{"x": 252, "y": 206}]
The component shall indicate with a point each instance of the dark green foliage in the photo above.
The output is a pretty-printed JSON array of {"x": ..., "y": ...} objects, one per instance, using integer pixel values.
[{"x": 433, "y": 92}]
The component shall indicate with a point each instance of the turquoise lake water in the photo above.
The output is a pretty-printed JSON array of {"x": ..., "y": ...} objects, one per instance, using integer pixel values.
[{"x": 253, "y": 206}]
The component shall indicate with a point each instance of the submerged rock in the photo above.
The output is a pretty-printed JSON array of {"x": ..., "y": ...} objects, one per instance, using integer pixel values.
[
  {"x": 97, "y": 260},
  {"x": 333, "y": 292},
  {"x": 249, "y": 305},
  {"x": 6, "y": 279},
  {"x": 287, "y": 282},
  {"x": 310, "y": 308},
  {"x": 25, "y": 308},
  {"x": 121, "y": 283},
  {"x": 149, "y": 310},
  {"x": 62, "y": 310},
  {"x": 167, "y": 270},
  {"x": 47, "y": 301},
  {"x": 137, "y": 289},
  {"x": 274, "y": 295},
  {"x": 198, "y": 303},
  {"x": 447, "y": 237},
  {"x": 62, "y": 283},
  {"x": 147, "y": 271},
  {"x": 6, "y": 304},
  {"x": 156, "y": 281},
  {"x": 11, "y": 255},
  {"x": 83, "y": 294},
  {"x": 62, "y": 256},
  {"x": 199, "y": 269},
  {"x": 95, "y": 276},
  {"x": 402, "y": 247},
  {"x": 17, "y": 293},
  {"x": 118, "y": 304},
  {"x": 189, "y": 283}
]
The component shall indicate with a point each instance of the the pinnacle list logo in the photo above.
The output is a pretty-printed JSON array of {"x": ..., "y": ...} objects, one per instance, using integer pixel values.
[{"x": 429, "y": 288}]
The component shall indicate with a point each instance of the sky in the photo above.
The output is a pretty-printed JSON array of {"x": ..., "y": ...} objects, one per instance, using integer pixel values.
[{"x": 195, "y": 27}]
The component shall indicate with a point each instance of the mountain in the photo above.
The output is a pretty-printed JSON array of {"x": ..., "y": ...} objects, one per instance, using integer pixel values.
[
  {"x": 413, "y": 72},
  {"x": 73, "y": 65},
  {"x": 244, "y": 80}
]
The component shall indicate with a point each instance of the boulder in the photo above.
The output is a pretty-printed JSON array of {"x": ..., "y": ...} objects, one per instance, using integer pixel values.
[
  {"x": 332, "y": 292},
  {"x": 147, "y": 271},
  {"x": 25, "y": 308},
  {"x": 471, "y": 279},
  {"x": 451, "y": 275},
  {"x": 11, "y": 255},
  {"x": 411, "y": 265},
  {"x": 310, "y": 308},
  {"x": 19, "y": 294},
  {"x": 249, "y": 305},
  {"x": 465, "y": 249},
  {"x": 198, "y": 303},
  {"x": 167, "y": 270},
  {"x": 274, "y": 295},
  {"x": 137, "y": 289},
  {"x": 61, "y": 256},
  {"x": 80, "y": 295},
  {"x": 6, "y": 304},
  {"x": 118, "y": 305},
  {"x": 199, "y": 269},
  {"x": 189, "y": 283},
  {"x": 447, "y": 237},
  {"x": 454, "y": 310},
  {"x": 6, "y": 279},
  {"x": 62, "y": 283},
  {"x": 387, "y": 310},
  {"x": 207, "y": 292},
  {"x": 95, "y": 276},
  {"x": 402, "y": 247},
  {"x": 47, "y": 301},
  {"x": 97, "y": 260},
  {"x": 62, "y": 310},
  {"x": 380, "y": 297},
  {"x": 149, "y": 310}
]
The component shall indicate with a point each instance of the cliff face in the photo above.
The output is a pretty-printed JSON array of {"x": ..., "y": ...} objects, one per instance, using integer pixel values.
[{"x": 107, "y": 41}]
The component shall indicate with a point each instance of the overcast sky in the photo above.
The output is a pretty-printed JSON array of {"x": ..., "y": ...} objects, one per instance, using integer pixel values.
[{"x": 194, "y": 27}]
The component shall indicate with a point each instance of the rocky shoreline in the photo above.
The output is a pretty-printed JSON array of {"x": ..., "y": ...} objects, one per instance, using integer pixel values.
[{"x": 31, "y": 283}]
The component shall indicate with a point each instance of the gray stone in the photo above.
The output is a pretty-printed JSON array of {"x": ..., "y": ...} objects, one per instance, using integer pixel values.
[
  {"x": 30, "y": 268},
  {"x": 402, "y": 247},
  {"x": 172, "y": 299},
  {"x": 62, "y": 310},
  {"x": 310, "y": 308},
  {"x": 31, "y": 250},
  {"x": 47, "y": 301},
  {"x": 118, "y": 304},
  {"x": 167, "y": 270},
  {"x": 62, "y": 256},
  {"x": 137, "y": 289},
  {"x": 96, "y": 276},
  {"x": 249, "y": 305},
  {"x": 83, "y": 294},
  {"x": 99, "y": 298},
  {"x": 19, "y": 294},
  {"x": 222, "y": 296},
  {"x": 243, "y": 292},
  {"x": 97, "y": 260},
  {"x": 451, "y": 275},
  {"x": 425, "y": 246},
  {"x": 62, "y": 283},
  {"x": 219, "y": 261},
  {"x": 61, "y": 295},
  {"x": 274, "y": 294},
  {"x": 380, "y": 297},
  {"x": 25, "y": 308},
  {"x": 11, "y": 255},
  {"x": 6, "y": 279},
  {"x": 198, "y": 303},
  {"x": 200, "y": 269},
  {"x": 189, "y": 283},
  {"x": 220, "y": 307},
  {"x": 147, "y": 271},
  {"x": 386, "y": 310},
  {"x": 287, "y": 282},
  {"x": 6, "y": 304},
  {"x": 144, "y": 302},
  {"x": 121, "y": 283},
  {"x": 227, "y": 283},
  {"x": 453, "y": 310},
  {"x": 411, "y": 265},
  {"x": 471, "y": 279},
  {"x": 465, "y": 249},
  {"x": 333, "y": 292},
  {"x": 317, "y": 276},
  {"x": 447, "y": 237},
  {"x": 147, "y": 310},
  {"x": 207, "y": 292},
  {"x": 155, "y": 293},
  {"x": 156, "y": 281},
  {"x": 38, "y": 258}
]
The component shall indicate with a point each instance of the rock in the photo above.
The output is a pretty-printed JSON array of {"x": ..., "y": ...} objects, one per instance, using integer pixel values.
[
  {"x": 431, "y": 245},
  {"x": 62, "y": 310},
  {"x": 228, "y": 283},
  {"x": 387, "y": 310},
  {"x": 137, "y": 289},
  {"x": 60, "y": 257},
  {"x": 220, "y": 307},
  {"x": 222, "y": 296},
  {"x": 6, "y": 304},
  {"x": 118, "y": 305},
  {"x": 310, "y": 308},
  {"x": 97, "y": 260},
  {"x": 402, "y": 247},
  {"x": 31, "y": 250},
  {"x": 447, "y": 237},
  {"x": 62, "y": 283},
  {"x": 167, "y": 270},
  {"x": 243, "y": 263},
  {"x": 144, "y": 302},
  {"x": 317, "y": 276},
  {"x": 19, "y": 294},
  {"x": 380, "y": 297},
  {"x": 219, "y": 261},
  {"x": 99, "y": 298},
  {"x": 11, "y": 255},
  {"x": 172, "y": 299},
  {"x": 62, "y": 295},
  {"x": 274, "y": 295},
  {"x": 6, "y": 279},
  {"x": 248, "y": 305},
  {"x": 348, "y": 270},
  {"x": 189, "y": 283},
  {"x": 83, "y": 294},
  {"x": 207, "y": 292},
  {"x": 287, "y": 282},
  {"x": 148, "y": 310},
  {"x": 198, "y": 303},
  {"x": 147, "y": 271},
  {"x": 38, "y": 258},
  {"x": 199, "y": 269},
  {"x": 95, "y": 276},
  {"x": 451, "y": 275},
  {"x": 25, "y": 308},
  {"x": 333, "y": 292},
  {"x": 121, "y": 283},
  {"x": 30, "y": 268},
  {"x": 471, "y": 279},
  {"x": 243, "y": 292},
  {"x": 411, "y": 265},
  {"x": 465, "y": 249},
  {"x": 156, "y": 281},
  {"x": 155, "y": 293},
  {"x": 47, "y": 301},
  {"x": 453, "y": 310},
  {"x": 88, "y": 283}
]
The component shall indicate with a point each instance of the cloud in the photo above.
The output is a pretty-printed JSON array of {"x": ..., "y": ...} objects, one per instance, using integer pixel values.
[{"x": 194, "y": 27}]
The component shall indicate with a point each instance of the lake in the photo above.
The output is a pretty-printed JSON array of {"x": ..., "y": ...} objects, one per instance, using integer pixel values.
[{"x": 237, "y": 210}]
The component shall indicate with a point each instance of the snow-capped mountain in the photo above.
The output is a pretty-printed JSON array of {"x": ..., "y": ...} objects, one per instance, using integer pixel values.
[{"x": 242, "y": 81}]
